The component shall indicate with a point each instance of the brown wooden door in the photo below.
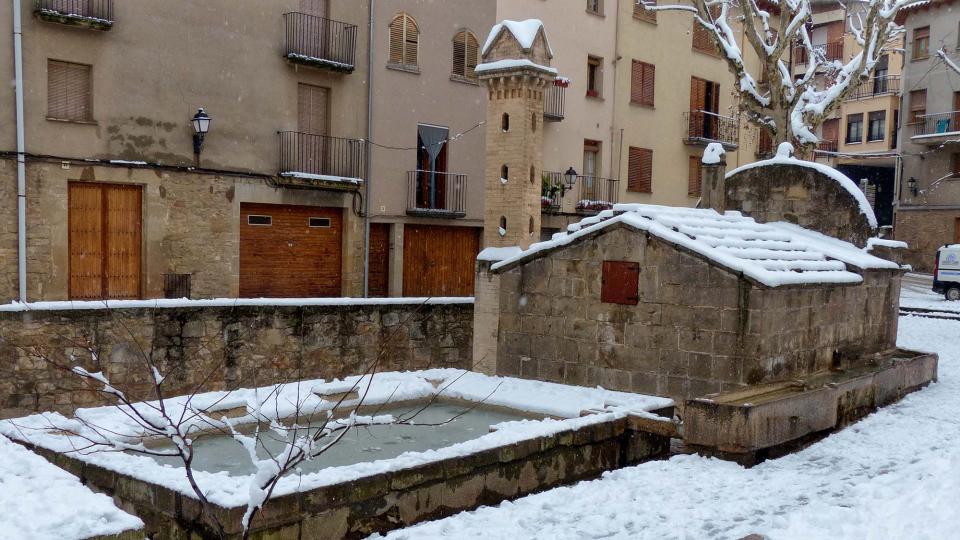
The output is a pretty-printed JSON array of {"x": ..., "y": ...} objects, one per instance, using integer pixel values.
[
  {"x": 313, "y": 118},
  {"x": 378, "y": 283},
  {"x": 439, "y": 261},
  {"x": 105, "y": 238},
  {"x": 290, "y": 251}
]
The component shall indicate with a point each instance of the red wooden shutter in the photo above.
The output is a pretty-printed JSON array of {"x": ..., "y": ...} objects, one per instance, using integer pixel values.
[
  {"x": 640, "y": 170},
  {"x": 621, "y": 283},
  {"x": 642, "y": 83},
  {"x": 644, "y": 14}
]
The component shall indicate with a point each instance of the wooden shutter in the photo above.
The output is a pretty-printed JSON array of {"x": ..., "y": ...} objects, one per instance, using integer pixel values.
[
  {"x": 640, "y": 170},
  {"x": 313, "y": 103},
  {"x": 918, "y": 105},
  {"x": 702, "y": 40},
  {"x": 396, "y": 40},
  {"x": 643, "y": 14},
  {"x": 831, "y": 129},
  {"x": 411, "y": 41},
  {"x": 693, "y": 183},
  {"x": 620, "y": 283},
  {"x": 921, "y": 42},
  {"x": 69, "y": 95},
  {"x": 642, "y": 83},
  {"x": 698, "y": 94},
  {"x": 465, "y": 52}
]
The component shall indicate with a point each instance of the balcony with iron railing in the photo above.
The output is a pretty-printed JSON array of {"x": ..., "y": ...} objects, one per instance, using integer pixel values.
[
  {"x": 552, "y": 191},
  {"x": 554, "y": 101},
  {"x": 935, "y": 129},
  {"x": 321, "y": 161},
  {"x": 828, "y": 51},
  {"x": 596, "y": 194},
  {"x": 93, "y": 14},
  {"x": 705, "y": 127},
  {"x": 827, "y": 145},
  {"x": 319, "y": 42},
  {"x": 436, "y": 194},
  {"x": 877, "y": 86}
]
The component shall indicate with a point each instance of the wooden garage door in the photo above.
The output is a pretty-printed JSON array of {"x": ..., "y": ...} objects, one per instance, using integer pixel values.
[
  {"x": 379, "y": 275},
  {"x": 105, "y": 228},
  {"x": 290, "y": 251},
  {"x": 439, "y": 261}
]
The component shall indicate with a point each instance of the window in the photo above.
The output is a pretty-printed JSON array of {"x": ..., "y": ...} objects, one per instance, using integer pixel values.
[
  {"x": 505, "y": 122},
  {"x": 404, "y": 41},
  {"x": 854, "y": 128},
  {"x": 918, "y": 106},
  {"x": 431, "y": 180},
  {"x": 640, "y": 170},
  {"x": 264, "y": 221},
  {"x": 465, "y": 55},
  {"x": 955, "y": 165},
  {"x": 702, "y": 40},
  {"x": 69, "y": 92},
  {"x": 591, "y": 158},
  {"x": 693, "y": 180},
  {"x": 594, "y": 76},
  {"x": 620, "y": 283},
  {"x": 595, "y": 7},
  {"x": 877, "y": 126},
  {"x": 318, "y": 222},
  {"x": 642, "y": 83},
  {"x": 921, "y": 43},
  {"x": 645, "y": 14}
]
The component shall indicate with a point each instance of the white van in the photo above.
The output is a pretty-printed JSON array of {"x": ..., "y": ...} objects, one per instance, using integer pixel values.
[{"x": 946, "y": 272}]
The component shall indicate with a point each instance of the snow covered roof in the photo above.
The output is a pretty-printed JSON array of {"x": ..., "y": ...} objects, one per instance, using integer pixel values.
[
  {"x": 829, "y": 172},
  {"x": 524, "y": 31},
  {"x": 772, "y": 254},
  {"x": 511, "y": 64}
]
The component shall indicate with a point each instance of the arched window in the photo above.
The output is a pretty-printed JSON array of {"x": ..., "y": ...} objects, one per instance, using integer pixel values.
[
  {"x": 404, "y": 41},
  {"x": 466, "y": 53},
  {"x": 504, "y": 173}
]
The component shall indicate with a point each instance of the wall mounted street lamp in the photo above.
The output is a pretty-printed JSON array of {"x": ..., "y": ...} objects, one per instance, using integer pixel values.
[
  {"x": 201, "y": 125},
  {"x": 912, "y": 186},
  {"x": 570, "y": 177}
]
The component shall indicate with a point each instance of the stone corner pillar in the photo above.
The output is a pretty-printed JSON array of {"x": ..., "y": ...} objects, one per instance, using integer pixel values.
[
  {"x": 486, "y": 319},
  {"x": 713, "y": 170}
]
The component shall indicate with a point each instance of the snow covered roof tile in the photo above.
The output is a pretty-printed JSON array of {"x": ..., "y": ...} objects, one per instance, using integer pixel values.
[
  {"x": 524, "y": 31},
  {"x": 772, "y": 254}
]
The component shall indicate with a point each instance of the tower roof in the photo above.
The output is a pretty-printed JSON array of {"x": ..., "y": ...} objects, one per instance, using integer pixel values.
[{"x": 525, "y": 32}]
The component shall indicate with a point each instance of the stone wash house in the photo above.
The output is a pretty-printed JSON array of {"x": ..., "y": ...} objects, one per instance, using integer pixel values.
[{"x": 685, "y": 302}]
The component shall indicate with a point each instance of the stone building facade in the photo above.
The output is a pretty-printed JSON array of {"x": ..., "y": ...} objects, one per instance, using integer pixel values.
[{"x": 695, "y": 328}]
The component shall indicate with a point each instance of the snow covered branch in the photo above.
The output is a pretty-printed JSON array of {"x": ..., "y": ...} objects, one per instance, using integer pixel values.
[
  {"x": 942, "y": 55},
  {"x": 800, "y": 82}
]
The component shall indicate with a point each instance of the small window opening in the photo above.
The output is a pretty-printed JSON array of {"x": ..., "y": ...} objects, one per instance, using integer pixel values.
[
  {"x": 505, "y": 122},
  {"x": 263, "y": 221},
  {"x": 320, "y": 222},
  {"x": 531, "y": 224},
  {"x": 533, "y": 175},
  {"x": 503, "y": 226},
  {"x": 504, "y": 173},
  {"x": 533, "y": 121}
]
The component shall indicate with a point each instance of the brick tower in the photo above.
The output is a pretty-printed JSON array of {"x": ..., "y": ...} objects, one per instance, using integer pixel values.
[{"x": 516, "y": 70}]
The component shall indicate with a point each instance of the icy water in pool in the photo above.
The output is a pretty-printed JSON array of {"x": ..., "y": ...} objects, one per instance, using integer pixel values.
[{"x": 219, "y": 453}]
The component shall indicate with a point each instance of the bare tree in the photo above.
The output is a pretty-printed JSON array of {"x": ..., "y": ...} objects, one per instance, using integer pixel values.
[
  {"x": 180, "y": 422},
  {"x": 947, "y": 61},
  {"x": 790, "y": 107}
]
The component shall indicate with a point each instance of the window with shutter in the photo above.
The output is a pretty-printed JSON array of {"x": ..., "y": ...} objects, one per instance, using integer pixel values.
[
  {"x": 642, "y": 83},
  {"x": 404, "y": 41},
  {"x": 640, "y": 170},
  {"x": 702, "y": 40},
  {"x": 69, "y": 93},
  {"x": 918, "y": 105},
  {"x": 620, "y": 283},
  {"x": 693, "y": 183},
  {"x": 921, "y": 43},
  {"x": 466, "y": 52},
  {"x": 645, "y": 14}
]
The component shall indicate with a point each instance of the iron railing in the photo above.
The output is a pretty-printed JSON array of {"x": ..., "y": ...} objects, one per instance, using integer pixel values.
[
  {"x": 827, "y": 145},
  {"x": 94, "y": 12},
  {"x": 553, "y": 103},
  {"x": 320, "y": 42},
  {"x": 877, "y": 86},
  {"x": 552, "y": 191},
  {"x": 596, "y": 193},
  {"x": 935, "y": 124},
  {"x": 436, "y": 194},
  {"x": 321, "y": 155},
  {"x": 829, "y": 51},
  {"x": 176, "y": 285},
  {"x": 706, "y": 127}
]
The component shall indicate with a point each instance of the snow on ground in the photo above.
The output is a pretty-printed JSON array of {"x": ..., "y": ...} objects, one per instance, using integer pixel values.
[
  {"x": 895, "y": 474},
  {"x": 916, "y": 292},
  {"x": 40, "y": 501}
]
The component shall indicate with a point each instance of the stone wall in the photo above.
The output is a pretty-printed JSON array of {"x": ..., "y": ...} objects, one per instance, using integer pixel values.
[
  {"x": 924, "y": 231},
  {"x": 234, "y": 346},
  {"x": 800, "y": 195},
  {"x": 697, "y": 329}
]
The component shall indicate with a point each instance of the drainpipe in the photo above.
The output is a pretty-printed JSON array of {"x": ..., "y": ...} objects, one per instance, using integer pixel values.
[
  {"x": 368, "y": 151},
  {"x": 21, "y": 158}
]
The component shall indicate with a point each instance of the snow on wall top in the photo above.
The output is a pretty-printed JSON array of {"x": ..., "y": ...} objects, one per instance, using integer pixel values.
[
  {"x": 512, "y": 63},
  {"x": 773, "y": 254},
  {"x": 164, "y": 303},
  {"x": 782, "y": 159},
  {"x": 524, "y": 31}
]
